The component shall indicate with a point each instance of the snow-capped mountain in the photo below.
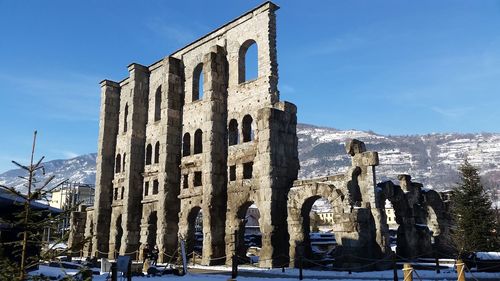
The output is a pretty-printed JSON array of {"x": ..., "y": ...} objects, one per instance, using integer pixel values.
[
  {"x": 430, "y": 159},
  {"x": 80, "y": 169}
]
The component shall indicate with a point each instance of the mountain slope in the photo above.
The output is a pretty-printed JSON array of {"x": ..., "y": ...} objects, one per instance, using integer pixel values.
[
  {"x": 431, "y": 159},
  {"x": 79, "y": 169}
]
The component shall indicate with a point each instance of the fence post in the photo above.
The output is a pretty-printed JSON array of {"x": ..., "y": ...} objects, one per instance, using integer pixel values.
[
  {"x": 234, "y": 267},
  {"x": 408, "y": 272},
  {"x": 194, "y": 258},
  {"x": 301, "y": 276},
  {"x": 460, "y": 270},
  {"x": 129, "y": 270},
  {"x": 438, "y": 270},
  {"x": 114, "y": 272},
  {"x": 394, "y": 266}
]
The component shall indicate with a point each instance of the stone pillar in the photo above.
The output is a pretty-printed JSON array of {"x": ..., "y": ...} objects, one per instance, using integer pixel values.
[
  {"x": 133, "y": 168},
  {"x": 77, "y": 230},
  {"x": 89, "y": 233},
  {"x": 278, "y": 167},
  {"x": 108, "y": 129},
  {"x": 215, "y": 156},
  {"x": 170, "y": 158}
]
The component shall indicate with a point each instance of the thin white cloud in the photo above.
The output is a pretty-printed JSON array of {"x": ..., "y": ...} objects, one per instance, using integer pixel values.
[
  {"x": 286, "y": 88},
  {"x": 175, "y": 32},
  {"x": 453, "y": 113}
]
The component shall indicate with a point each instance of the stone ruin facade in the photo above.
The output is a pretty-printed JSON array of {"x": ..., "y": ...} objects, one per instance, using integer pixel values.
[{"x": 190, "y": 133}]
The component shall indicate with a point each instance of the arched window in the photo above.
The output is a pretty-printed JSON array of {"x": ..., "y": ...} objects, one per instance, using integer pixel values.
[
  {"x": 233, "y": 132},
  {"x": 118, "y": 163},
  {"x": 198, "y": 82},
  {"x": 198, "y": 141},
  {"x": 247, "y": 128},
  {"x": 125, "y": 117},
  {"x": 149, "y": 152},
  {"x": 248, "y": 62},
  {"x": 124, "y": 160},
  {"x": 158, "y": 104},
  {"x": 186, "y": 145},
  {"x": 157, "y": 152}
]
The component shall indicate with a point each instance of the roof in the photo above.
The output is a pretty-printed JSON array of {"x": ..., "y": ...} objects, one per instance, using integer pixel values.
[{"x": 8, "y": 199}]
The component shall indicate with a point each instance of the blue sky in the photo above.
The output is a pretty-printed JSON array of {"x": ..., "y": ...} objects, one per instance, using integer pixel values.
[{"x": 394, "y": 67}]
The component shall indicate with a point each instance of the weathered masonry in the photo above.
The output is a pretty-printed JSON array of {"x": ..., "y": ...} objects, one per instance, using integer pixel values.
[{"x": 191, "y": 133}]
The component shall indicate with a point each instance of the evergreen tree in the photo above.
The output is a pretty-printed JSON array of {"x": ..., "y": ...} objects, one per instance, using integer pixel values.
[{"x": 474, "y": 218}]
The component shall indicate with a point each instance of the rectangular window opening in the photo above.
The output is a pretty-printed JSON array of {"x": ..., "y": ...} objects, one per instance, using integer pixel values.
[
  {"x": 232, "y": 173},
  {"x": 247, "y": 170},
  {"x": 197, "y": 179}
]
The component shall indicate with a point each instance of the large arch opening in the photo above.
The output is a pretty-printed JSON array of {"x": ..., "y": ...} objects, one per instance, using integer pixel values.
[
  {"x": 158, "y": 104},
  {"x": 152, "y": 228},
  {"x": 157, "y": 153},
  {"x": 233, "y": 136},
  {"x": 318, "y": 220},
  {"x": 118, "y": 163},
  {"x": 198, "y": 141},
  {"x": 186, "y": 145},
  {"x": 248, "y": 61},
  {"x": 149, "y": 154},
  {"x": 246, "y": 128},
  {"x": 248, "y": 241},
  {"x": 198, "y": 81},
  {"x": 194, "y": 239},
  {"x": 118, "y": 236}
]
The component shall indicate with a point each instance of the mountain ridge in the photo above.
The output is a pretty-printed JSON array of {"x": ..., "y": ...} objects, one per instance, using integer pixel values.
[{"x": 431, "y": 159}]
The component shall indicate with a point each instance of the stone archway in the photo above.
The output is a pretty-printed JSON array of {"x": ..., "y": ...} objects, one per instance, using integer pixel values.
[
  {"x": 248, "y": 240},
  {"x": 118, "y": 235},
  {"x": 194, "y": 232}
]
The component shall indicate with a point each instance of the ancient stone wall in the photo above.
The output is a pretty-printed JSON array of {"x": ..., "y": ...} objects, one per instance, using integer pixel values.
[{"x": 191, "y": 133}]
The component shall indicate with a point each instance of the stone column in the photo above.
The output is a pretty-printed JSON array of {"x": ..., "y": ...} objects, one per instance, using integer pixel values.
[
  {"x": 170, "y": 158},
  {"x": 215, "y": 156},
  {"x": 133, "y": 168},
  {"x": 108, "y": 129}
]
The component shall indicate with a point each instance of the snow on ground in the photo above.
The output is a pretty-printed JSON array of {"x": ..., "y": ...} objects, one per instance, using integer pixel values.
[{"x": 248, "y": 273}]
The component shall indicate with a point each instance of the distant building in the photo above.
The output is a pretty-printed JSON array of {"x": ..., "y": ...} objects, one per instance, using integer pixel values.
[
  {"x": 72, "y": 194},
  {"x": 391, "y": 216}
]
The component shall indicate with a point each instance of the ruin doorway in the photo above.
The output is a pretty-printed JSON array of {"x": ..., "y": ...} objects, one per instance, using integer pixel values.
[
  {"x": 152, "y": 227},
  {"x": 118, "y": 236},
  {"x": 194, "y": 239},
  {"x": 248, "y": 236},
  {"x": 318, "y": 217}
]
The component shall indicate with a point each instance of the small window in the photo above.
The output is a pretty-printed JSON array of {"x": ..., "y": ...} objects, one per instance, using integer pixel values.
[
  {"x": 149, "y": 152},
  {"x": 115, "y": 197},
  {"x": 247, "y": 128},
  {"x": 186, "y": 145},
  {"x": 158, "y": 104},
  {"x": 198, "y": 82},
  {"x": 233, "y": 132},
  {"x": 197, "y": 179},
  {"x": 123, "y": 192},
  {"x": 185, "y": 183},
  {"x": 118, "y": 163},
  {"x": 155, "y": 187},
  {"x": 232, "y": 173},
  {"x": 124, "y": 161},
  {"x": 198, "y": 141},
  {"x": 146, "y": 188},
  {"x": 247, "y": 170},
  {"x": 157, "y": 152},
  {"x": 125, "y": 117}
]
